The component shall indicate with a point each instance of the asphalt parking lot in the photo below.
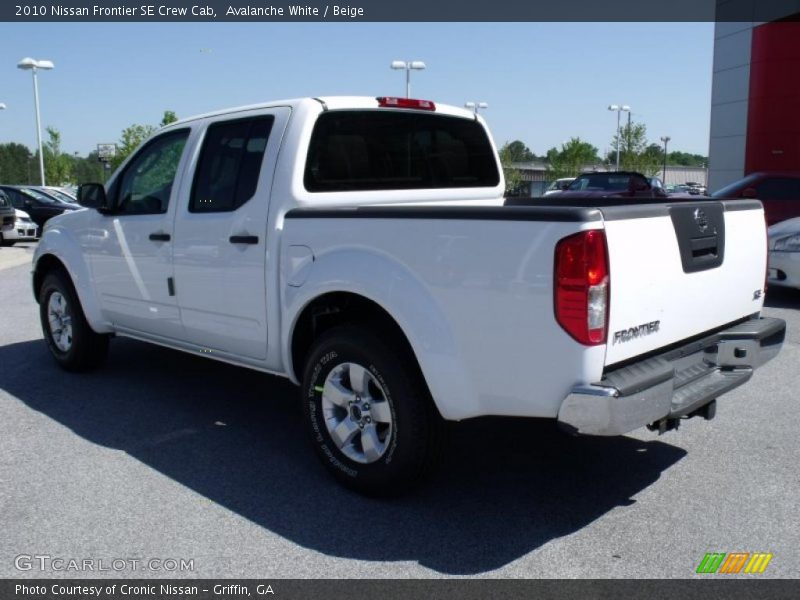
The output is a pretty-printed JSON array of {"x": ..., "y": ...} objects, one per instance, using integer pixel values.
[{"x": 164, "y": 455}]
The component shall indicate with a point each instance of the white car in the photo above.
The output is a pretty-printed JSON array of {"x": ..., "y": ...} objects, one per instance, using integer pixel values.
[
  {"x": 23, "y": 230},
  {"x": 784, "y": 254},
  {"x": 363, "y": 249}
]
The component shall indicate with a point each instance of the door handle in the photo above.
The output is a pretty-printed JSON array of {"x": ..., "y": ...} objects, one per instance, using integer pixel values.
[
  {"x": 243, "y": 239},
  {"x": 160, "y": 237}
]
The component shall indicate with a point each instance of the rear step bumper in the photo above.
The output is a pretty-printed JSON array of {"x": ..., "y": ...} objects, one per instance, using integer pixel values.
[{"x": 674, "y": 384}]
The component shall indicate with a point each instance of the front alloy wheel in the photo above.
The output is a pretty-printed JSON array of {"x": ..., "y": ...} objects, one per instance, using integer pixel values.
[
  {"x": 59, "y": 319},
  {"x": 70, "y": 338}
]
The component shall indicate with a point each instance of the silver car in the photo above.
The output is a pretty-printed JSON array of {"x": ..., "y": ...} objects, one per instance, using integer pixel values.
[
  {"x": 784, "y": 254},
  {"x": 23, "y": 230}
]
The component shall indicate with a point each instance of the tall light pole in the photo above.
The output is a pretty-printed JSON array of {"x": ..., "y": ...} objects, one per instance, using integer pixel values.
[
  {"x": 619, "y": 109},
  {"x": 2, "y": 107},
  {"x": 476, "y": 106},
  {"x": 665, "y": 139},
  {"x": 29, "y": 64},
  {"x": 417, "y": 65}
]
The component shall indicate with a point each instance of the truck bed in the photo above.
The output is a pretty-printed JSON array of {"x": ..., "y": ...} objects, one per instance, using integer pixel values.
[{"x": 473, "y": 281}]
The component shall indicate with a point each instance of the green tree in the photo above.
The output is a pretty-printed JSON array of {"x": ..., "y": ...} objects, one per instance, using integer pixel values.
[
  {"x": 88, "y": 169},
  {"x": 57, "y": 165},
  {"x": 518, "y": 152},
  {"x": 635, "y": 154},
  {"x": 15, "y": 163},
  {"x": 132, "y": 137},
  {"x": 169, "y": 117},
  {"x": 653, "y": 155},
  {"x": 513, "y": 176},
  {"x": 572, "y": 158},
  {"x": 687, "y": 160}
]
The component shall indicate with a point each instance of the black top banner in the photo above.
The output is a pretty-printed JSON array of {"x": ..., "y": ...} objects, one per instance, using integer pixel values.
[{"x": 399, "y": 10}]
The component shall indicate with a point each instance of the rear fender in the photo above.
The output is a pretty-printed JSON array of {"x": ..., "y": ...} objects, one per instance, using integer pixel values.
[{"x": 394, "y": 288}]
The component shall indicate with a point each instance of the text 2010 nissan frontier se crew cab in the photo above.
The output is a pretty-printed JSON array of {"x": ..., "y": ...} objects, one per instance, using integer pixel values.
[{"x": 362, "y": 248}]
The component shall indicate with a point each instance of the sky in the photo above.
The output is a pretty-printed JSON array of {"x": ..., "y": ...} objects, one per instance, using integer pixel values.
[{"x": 544, "y": 82}]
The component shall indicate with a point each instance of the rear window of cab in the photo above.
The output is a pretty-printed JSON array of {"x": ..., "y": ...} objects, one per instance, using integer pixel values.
[{"x": 398, "y": 150}]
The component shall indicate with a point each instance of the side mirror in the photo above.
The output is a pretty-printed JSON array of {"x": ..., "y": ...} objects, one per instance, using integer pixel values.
[
  {"x": 749, "y": 192},
  {"x": 92, "y": 195}
]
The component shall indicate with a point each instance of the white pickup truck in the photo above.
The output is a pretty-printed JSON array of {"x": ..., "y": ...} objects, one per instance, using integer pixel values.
[{"x": 362, "y": 248}]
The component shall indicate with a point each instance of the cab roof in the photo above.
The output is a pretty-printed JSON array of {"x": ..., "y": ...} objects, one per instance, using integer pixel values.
[{"x": 329, "y": 103}]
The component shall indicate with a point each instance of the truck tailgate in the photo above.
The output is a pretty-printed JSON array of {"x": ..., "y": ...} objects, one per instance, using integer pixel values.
[{"x": 679, "y": 270}]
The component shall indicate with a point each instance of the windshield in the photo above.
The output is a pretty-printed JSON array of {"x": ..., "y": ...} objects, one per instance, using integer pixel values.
[
  {"x": 61, "y": 196},
  {"x": 38, "y": 195},
  {"x": 558, "y": 184},
  {"x": 600, "y": 182},
  {"x": 732, "y": 188}
]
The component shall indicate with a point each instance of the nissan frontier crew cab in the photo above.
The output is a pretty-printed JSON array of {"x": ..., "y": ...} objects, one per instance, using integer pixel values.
[{"x": 362, "y": 248}]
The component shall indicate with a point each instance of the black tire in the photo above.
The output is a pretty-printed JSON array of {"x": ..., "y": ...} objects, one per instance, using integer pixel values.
[
  {"x": 87, "y": 349},
  {"x": 413, "y": 448},
  {"x": 5, "y": 242}
]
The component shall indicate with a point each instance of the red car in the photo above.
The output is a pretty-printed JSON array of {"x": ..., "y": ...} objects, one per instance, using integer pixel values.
[
  {"x": 610, "y": 184},
  {"x": 779, "y": 192}
]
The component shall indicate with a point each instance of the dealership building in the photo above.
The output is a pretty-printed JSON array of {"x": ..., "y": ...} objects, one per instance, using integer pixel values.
[{"x": 755, "y": 98}]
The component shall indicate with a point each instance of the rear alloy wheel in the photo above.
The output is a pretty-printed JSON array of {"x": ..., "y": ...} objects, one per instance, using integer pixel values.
[
  {"x": 72, "y": 342},
  {"x": 370, "y": 416},
  {"x": 357, "y": 413}
]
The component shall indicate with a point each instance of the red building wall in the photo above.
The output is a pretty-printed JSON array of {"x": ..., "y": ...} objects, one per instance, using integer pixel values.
[{"x": 773, "y": 120}]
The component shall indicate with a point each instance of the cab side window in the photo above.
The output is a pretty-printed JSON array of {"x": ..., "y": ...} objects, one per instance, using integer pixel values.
[
  {"x": 230, "y": 163},
  {"x": 145, "y": 185}
]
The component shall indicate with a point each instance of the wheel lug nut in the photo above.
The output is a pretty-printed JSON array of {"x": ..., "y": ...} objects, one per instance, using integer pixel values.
[
  {"x": 366, "y": 406},
  {"x": 368, "y": 420}
]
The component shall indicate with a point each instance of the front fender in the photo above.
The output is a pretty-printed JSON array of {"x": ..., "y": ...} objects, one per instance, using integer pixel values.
[
  {"x": 61, "y": 243},
  {"x": 388, "y": 283}
]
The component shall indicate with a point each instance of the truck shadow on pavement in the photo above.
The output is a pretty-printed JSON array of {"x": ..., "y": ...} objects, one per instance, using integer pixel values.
[{"x": 236, "y": 437}]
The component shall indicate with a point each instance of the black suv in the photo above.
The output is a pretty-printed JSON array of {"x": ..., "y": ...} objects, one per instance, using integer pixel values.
[{"x": 7, "y": 214}]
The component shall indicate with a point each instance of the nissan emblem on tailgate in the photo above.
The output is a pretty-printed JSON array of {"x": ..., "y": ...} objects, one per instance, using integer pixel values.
[{"x": 701, "y": 220}]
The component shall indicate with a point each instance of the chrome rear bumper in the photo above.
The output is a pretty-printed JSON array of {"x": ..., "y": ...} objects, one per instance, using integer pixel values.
[{"x": 674, "y": 384}]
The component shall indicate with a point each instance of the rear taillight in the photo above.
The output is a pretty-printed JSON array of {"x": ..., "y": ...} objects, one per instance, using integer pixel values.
[
  {"x": 582, "y": 285},
  {"x": 390, "y": 102}
]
